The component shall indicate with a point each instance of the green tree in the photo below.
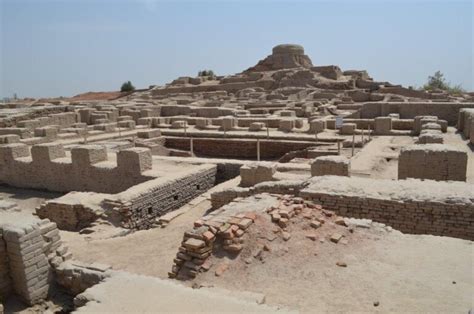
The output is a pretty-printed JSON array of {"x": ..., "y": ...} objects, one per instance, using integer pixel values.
[
  {"x": 127, "y": 87},
  {"x": 437, "y": 81},
  {"x": 209, "y": 73}
]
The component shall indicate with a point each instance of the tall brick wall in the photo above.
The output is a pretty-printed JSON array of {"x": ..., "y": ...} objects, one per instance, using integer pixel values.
[
  {"x": 238, "y": 148},
  {"x": 139, "y": 205},
  {"x": 87, "y": 170}
]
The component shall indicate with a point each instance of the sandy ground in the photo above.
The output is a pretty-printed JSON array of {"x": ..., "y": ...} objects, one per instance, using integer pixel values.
[
  {"x": 27, "y": 200},
  {"x": 401, "y": 273},
  {"x": 140, "y": 294},
  {"x": 159, "y": 246},
  {"x": 379, "y": 158},
  {"x": 404, "y": 273}
]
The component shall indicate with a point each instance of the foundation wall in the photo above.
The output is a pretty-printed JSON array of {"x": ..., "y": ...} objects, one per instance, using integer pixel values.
[
  {"x": 397, "y": 124},
  {"x": 409, "y": 216},
  {"x": 330, "y": 165},
  {"x": 233, "y": 148},
  {"x": 430, "y": 215},
  {"x": 139, "y": 205},
  {"x": 70, "y": 217},
  {"x": 76, "y": 277}
]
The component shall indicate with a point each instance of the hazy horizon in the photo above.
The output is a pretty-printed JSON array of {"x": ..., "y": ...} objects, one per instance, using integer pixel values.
[{"x": 63, "y": 48}]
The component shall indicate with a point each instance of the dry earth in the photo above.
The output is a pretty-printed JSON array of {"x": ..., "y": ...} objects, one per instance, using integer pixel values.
[{"x": 404, "y": 273}]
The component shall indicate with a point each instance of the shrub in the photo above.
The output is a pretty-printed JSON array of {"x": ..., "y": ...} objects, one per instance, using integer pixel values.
[{"x": 208, "y": 73}]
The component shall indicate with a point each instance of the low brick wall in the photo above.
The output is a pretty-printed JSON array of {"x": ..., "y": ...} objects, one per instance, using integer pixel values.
[
  {"x": 408, "y": 110},
  {"x": 47, "y": 167},
  {"x": 139, "y": 205},
  {"x": 76, "y": 277},
  {"x": 237, "y": 148},
  {"x": 411, "y": 206},
  {"x": 73, "y": 211},
  {"x": 397, "y": 124},
  {"x": 433, "y": 162},
  {"x": 330, "y": 165}
]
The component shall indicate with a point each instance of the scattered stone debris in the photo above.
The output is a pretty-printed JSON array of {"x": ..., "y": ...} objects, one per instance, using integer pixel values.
[
  {"x": 336, "y": 237},
  {"x": 199, "y": 243},
  {"x": 221, "y": 268}
]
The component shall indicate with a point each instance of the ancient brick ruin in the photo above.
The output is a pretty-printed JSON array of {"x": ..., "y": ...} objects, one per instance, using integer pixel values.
[{"x": 283, "y": 148}]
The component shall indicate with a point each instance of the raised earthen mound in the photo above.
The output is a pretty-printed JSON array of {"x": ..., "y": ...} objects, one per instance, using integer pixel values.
[{"x": 283, "y": 57}]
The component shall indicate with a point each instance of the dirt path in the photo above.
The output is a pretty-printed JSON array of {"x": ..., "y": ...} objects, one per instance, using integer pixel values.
[
  {"x": 27, "y": 200},
  {"x": 454, "y": 139},
  {"x": 379, "y": 158}
]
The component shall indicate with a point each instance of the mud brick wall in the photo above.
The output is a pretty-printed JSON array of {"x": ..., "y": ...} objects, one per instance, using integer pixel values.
[
  {"x": 411, "y": 206},
  {"x": 330, "y": 165},
  {"x": 32, "y": 113},
  {"x": 465, "y": 121},
  {"x": 76, "y": 277},
  {"x": 21, "y": 132},
  {"x": 255, "y": 173},
  {"x": 26, "y": 253},
  {"x": 28, "y": 264},
  {"x": 70, "y": 217},
  {"x": 271, "y": 122},
  {"x": 223, "y": 197},
  {"x": 360, "y": 123},
  {"x": 237, "y": 148},
  {"x": 408, "y": 216},
  {"x": 409, "y": 110},
  {"x": 62, "y": 120},
  {"x": 471, "y": 136},
  {"x": 5, "y": 282},
  {"x": 462, "y": 117},
  {"x": 397, "y": 124},
  {"x": 86, "y": 170},
  {"x": 139, "y": 205},
  {"x": 432, "y": 161},
  {"x": 227, "y": 171}
]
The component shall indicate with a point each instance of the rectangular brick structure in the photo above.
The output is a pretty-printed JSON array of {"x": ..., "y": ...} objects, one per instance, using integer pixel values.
[
  {"x": 411, "y": 206},
  {"x": 433, "y": 162}
]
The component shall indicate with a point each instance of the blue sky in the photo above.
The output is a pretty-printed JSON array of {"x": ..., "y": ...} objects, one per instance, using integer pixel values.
[{"x": 62, "y": 48}]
